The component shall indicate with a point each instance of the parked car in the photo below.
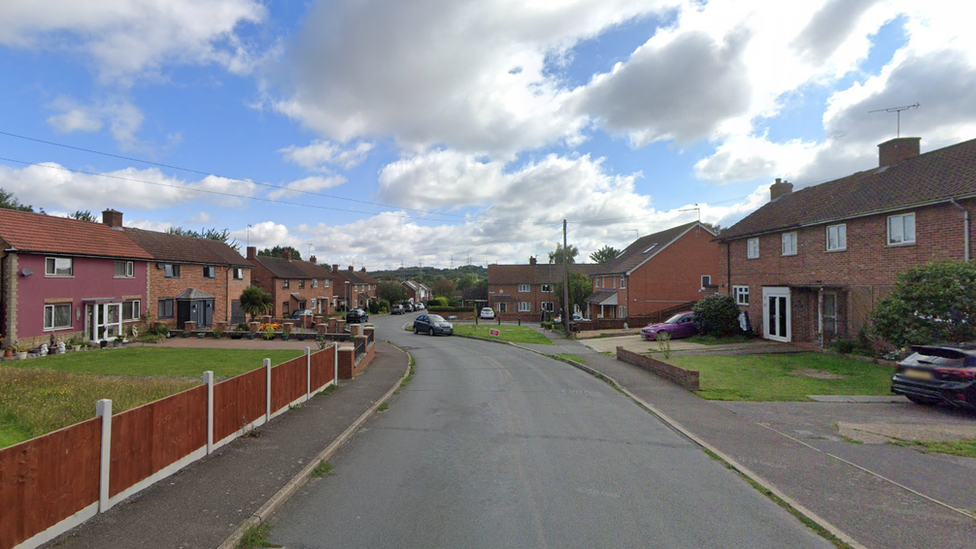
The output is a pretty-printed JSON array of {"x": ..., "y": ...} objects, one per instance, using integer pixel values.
[
  {"x": 298, "y": 313},
  {"x": 487, "y": 313},
  {"x": 420, "y": 306},
  {"x": 432, "y": 325},
  {"x": 558, "y": 319},
  {"x": 355, "y": 316},
  {"x": 679, "y": 325},
  {"x": 396, "y": 309},
  {"x": 935, "y": 374}
]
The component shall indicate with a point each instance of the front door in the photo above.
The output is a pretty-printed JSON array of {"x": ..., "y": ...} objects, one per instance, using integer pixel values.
[
  {"x": 776, "y": 313},
  {"x": 103, "y": 321}
]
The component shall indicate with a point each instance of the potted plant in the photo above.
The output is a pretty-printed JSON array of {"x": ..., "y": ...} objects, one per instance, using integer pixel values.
[
  {"x": 269, "y": 332},
  {"x": 285, "y": 332},
  {"x": 117, "y": 342},
  {"x": 21, "y": 351},
  {"x": 217, "y": 333},
  {"x": 75, "y": 344}
]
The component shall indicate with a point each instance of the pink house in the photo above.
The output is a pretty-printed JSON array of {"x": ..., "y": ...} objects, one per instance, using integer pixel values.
[{"x": 64, "y": 278}]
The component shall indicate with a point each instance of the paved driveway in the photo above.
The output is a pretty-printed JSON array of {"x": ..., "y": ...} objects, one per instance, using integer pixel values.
[{"x": 683, "y": 347}]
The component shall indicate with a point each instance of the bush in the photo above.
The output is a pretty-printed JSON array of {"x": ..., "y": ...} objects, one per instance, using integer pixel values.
[
  {"x": 717, "y": 315},
  {"x": 451, "y": 309},
  {"x": 374, "y": 307},
  {"x": 384, "y": 305},
  {"x": 437, "y": 302}
]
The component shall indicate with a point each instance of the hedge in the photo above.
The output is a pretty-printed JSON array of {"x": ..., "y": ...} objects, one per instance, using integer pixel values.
[{"x": 451, "y": 309}]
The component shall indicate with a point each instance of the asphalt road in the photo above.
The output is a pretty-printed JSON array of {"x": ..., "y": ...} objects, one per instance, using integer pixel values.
[{"x": 491, "y": 446}]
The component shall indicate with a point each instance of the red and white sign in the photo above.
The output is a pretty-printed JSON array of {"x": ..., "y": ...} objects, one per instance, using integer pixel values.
[{"x": 494, "y": 332}]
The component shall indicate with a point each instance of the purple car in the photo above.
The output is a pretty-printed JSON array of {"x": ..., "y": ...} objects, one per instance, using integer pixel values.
[{"x": 679, "y": 325}]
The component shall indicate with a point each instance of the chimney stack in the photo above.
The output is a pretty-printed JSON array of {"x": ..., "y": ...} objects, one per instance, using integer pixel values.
[
  {"x": 531, "y": 260},
  {"x": 350, "y": 268},
  {"x": 286, "y": 254},
  {"x": 112, "y": 218},
  {"x": 335, "y": 267},
  {"x": 312, "y": 260},
  {"x": 252, "y": 252},
  {"x": 779, "y": 188},
  {"x": 897, "y": 150}
]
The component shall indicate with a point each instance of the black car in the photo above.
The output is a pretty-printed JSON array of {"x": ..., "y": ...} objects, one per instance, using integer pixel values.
[
  {"x": 432, "y": 325},
  {"x": 355, "y": 316},
  {"x": 935, "y": 374}
]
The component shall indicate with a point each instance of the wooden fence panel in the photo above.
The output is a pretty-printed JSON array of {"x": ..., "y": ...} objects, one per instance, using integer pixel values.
[
  {"x": 238, "y": 401},
  {"x": 288, "y": 382},
  {"x": 148, "y": 438},
  {"x": 48, "y": 479},
  {"x": 323, "y": 367}
]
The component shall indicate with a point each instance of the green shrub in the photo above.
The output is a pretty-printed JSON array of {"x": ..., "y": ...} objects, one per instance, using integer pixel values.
[
  {"x": 383, "y": 305},
  {"x": 374, "y": 307},
  {"x": 717, "y": 315},
  {"x": 451, "y": 309},
  {"x": 437, "y": 302}
]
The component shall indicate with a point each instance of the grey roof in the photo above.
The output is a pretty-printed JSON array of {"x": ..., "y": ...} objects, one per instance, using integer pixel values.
[
  {"x": 193, "y": 293},
  {"x": 185, "y": 249},
  {"x": 290, "y": 268}
]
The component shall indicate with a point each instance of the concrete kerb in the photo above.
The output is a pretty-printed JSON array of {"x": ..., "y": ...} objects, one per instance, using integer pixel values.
[
  {"x": 728, "y": 460},
  {"x": 288, "y": 490}
]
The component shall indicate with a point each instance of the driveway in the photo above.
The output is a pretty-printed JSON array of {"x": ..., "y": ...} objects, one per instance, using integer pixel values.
[{"x": 683, "y": 347}]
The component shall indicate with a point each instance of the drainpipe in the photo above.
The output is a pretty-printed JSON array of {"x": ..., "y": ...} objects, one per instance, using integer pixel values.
[{"x": 965, "y": 225}]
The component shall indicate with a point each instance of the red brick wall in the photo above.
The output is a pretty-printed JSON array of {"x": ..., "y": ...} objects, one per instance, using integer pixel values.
[
  {"x": 868, "y": 268},
  {"x": 282, "y": 294},
  {"x": 535, "y": 296},
  {"x": 223, "y": 287}
]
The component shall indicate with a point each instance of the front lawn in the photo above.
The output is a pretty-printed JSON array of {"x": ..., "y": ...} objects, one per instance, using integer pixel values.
[
  {"x": 790, "y": 376},
  {"x": 514, "y": 334},
  {"x": 156, "y": 361}
]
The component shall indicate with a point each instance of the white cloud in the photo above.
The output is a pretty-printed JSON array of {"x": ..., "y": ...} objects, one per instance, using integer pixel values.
[
  {"x": 307, "y": 185},
  {"x": 201, "y": 218},
  {"x": 122, "y": 117},
  {"x": 321, "y": 153},
  {"x": 124, "y": 39}
]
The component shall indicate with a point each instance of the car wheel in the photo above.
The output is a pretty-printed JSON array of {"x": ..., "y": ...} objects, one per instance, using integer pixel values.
[
  {"x": 431, "y": 332},
  {"x": 922, "y": 400},
  {"x": 415, "y": 330}
]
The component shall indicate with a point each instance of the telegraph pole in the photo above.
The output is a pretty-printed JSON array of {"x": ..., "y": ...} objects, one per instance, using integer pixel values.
[{"x": 565, "y": 284}]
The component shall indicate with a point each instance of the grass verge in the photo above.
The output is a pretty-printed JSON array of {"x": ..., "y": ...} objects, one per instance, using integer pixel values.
[
  {"x": 571, "y": 356},
  {"x": 513, "y": 334},
  {"x": 779, "y": 377},
  {"x": 256, "y": 535},
  {"x": 964, "y": 448},
  {"x": 713, "y": 340}
]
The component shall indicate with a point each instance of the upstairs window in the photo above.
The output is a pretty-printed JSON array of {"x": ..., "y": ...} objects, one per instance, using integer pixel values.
[
  {"x": 836, "y": 237},
  {"x": 59, "y": 266},
  {"x": 315, "y": 283},
  {"x": 238, "y": 273},
  {"x": 124, "y": 269},
  {"x": 706, "y": 281},
  {"x": 285, "y": 283},
  {"x": 623, "y": 282},
  {"x": 524, "y": 288},
  {"x": 752, "y": 248},
  {"x": 172, "y": 271},
  {"x": 325, "y": 283},
  {"x": 789, "y": 243},
  {"x": 301, "y": 284},
  {"x": 901, "y": 229},
  {"x": 209, "y": 271},
  {"x": 547, "y": 288}
]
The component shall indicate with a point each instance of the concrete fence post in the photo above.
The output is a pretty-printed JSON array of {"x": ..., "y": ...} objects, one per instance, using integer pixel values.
[
  {"x": 308, "y": 373},
  {"x": 103, "y": 409},
  {"x": 267, "y": 369},
  {"x": 208, "y": 379},
  {"x": 335, "y": 364}
]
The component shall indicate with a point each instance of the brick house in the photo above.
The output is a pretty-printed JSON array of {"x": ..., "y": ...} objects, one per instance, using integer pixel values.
[
  {"x": 293, "y": 284},
  {"x": 358, "y": 287},
  {"x": 64, "y": 278},
  {"x": 528, "y": 290},
  {"x": 655, "y": 273},
  {"x": 810, "y": 266},
  {"x": 190, "y": 278},
  {"x": 416, "y": 291}
]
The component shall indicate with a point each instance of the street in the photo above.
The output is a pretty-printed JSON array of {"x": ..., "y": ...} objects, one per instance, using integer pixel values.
[{"x": 491, "y": 446}]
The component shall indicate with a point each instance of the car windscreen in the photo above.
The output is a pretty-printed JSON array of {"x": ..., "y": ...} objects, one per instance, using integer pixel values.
[
  {"x": 674, "y": 319},
  {"x": 437, "y": 318}
]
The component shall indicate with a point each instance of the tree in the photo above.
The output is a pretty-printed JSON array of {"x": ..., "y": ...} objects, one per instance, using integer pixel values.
[
  {"x": 207, "y": 234},
  {"x": 604, "y": 255},
  {"x": 716, "y": 315},
  {"x": 930, "y": 304},
  {"x": 580, "y": 288},
  {"x": 443, "y": 287},
  {"x": 392, "y": 292},
  {"x": 255, "y": 301},
  {"x": 279, "y": 251},
  {"x": 556, "y": 257},
  {"x": 9, "y": 201},
  {"x": 84, "y": 215},
  {"x": 714, "y": 227}
]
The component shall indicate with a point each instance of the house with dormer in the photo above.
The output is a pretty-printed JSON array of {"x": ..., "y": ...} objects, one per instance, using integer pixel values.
[{"x": 810, "y": 265}]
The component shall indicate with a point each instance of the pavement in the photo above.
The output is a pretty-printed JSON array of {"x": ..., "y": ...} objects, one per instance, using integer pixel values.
[
  {"x": 205, "y": 504},
  {"x": 867, "y": 494}
]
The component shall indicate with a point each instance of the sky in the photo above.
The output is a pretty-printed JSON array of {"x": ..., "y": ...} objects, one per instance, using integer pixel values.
[{"x": 380, "y": 133}]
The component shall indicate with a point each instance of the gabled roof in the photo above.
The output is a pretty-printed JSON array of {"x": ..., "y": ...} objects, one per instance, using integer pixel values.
[
  {"x": 540, "y": 273},
  {"x": 355, "y": 277},
  {"x": 646, "y": 247},
  {"x": 193, "y": 293},
  {"x": 185, "y": 249},
  {"x": 290, "y": 268},
  {"x": 40, "y": 233},
  {"x": 926, "y": 179}
]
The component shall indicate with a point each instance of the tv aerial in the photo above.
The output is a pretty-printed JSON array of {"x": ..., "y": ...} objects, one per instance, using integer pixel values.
[{"x": 897, "y": 110}]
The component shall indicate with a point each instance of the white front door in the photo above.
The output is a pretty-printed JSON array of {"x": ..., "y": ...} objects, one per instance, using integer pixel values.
[
  {"x": 103, "y": 321},
  {"x": 776, "y": 314}
]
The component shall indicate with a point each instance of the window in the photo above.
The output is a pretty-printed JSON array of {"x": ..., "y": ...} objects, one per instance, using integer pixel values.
[
  {"x": 623, "y": 282},
  {"x": 502, "y": 307},
  {"x": 524, "y": 307},
  {"x": 58, "y": 266},
  {"x": 164, "y": 309},
  {"x": 57, "y": 316},
  {"x": 706, "y": 281},
  {"x": 741, "y": 294},
  {"x": 285, "y": 283},
  {"x": 548, "y": 306},
  {"x": 325, "y": 283},
  {"x": 123, "y": 269},
  {"x": 524, "y": 289},
  {"x": 547, "y": 288},
  {"x": 130, "y": 310},
  {"x": 830, "y": 313},
  {"x": 209, "y": 271},
  {"x": 752, "y": 248},
  {"x": 284, "y": 308},
  {"x": 315, "y": 283},
  {"x": 836, "y": 237},
  {"x": 613, "y": 282},
  {"x": 901, "y": 229},
  {"x": 789, "y": 243},
  {"x": 301, "y": 284},
  {"x": 172, "y": 271},
  {"x": 238, "y": 273}
]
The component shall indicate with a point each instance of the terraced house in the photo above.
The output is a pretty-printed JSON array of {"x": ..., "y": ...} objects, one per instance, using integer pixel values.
[
  {"x": 65, "y": 278},
  {"x": 354, "y": 289},
  {"x": 527, "y": 290},
  {"x": 293, "y": 284},
  {"x": 810, "y": 265}
]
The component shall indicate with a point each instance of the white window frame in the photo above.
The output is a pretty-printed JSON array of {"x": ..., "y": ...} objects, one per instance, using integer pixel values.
[
  {"x": 524, "y": 307},
  {"x": 623, "y": 283},
  {"x": 524, "y": 288},
  {"x": 741, "y": 294},
  {"x": 837, "y": 242},
  {"x": 128, "y": 270},
  {"x": 900, "y": 236},
  {"x": 789, "y": 243},
  {"x": 326, "y": 283},
  {"x": 752, "y": 248},
  {"x": 502, "y": 307},
  {"x": 548, "y": 306},
  {"x": 315, "y": 283},
  {"x": 238, "y": 273},
  {"x": 51, "y": 267},
  {"x": 547, "y": 288},
  {"x": 49, "y": 320},
  {"x": 706, "y": 280},
  {"x": 134, "y": 308}
]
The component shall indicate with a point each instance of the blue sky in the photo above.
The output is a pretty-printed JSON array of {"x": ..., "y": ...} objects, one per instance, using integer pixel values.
[{"x": 374, "y": 133}]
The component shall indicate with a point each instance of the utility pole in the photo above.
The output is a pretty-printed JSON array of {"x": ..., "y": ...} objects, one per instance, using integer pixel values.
[{"x": 565, "y": 283}]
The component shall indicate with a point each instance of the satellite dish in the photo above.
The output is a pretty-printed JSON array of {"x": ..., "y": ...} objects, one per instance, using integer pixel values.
[{"x": 27, "y": 272}]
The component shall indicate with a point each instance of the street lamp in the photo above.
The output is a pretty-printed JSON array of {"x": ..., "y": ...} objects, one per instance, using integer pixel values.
[{"x": 347, "y": 295}]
